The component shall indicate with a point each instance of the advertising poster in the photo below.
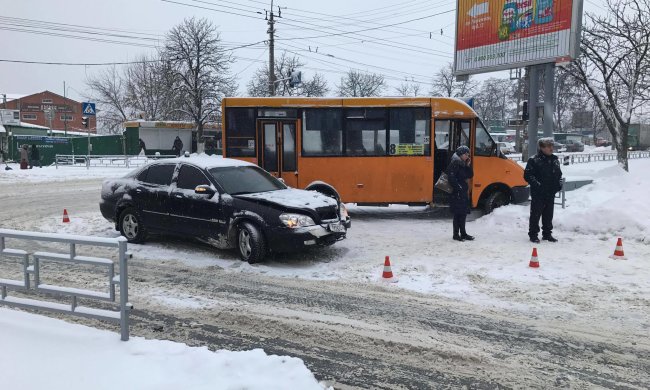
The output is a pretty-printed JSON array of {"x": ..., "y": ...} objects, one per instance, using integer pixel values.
[{"x": 504, "y": 34}]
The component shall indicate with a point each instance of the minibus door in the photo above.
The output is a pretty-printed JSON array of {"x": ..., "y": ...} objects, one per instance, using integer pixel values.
[
  {"x": 278, "y": 156},
  {"x": 449, "y": 135}
]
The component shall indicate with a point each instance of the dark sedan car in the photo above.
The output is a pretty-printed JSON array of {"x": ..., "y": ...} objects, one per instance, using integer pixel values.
[{"x": 228, "y": 203}]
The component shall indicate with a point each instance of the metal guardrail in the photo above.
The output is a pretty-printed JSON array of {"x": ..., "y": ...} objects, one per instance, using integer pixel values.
[
  {"x": 579, "y": 158},
  {"x": 117, "y": 161},
  {"x": 71, "y": 257},
  {"x": 562, "y": 194}
]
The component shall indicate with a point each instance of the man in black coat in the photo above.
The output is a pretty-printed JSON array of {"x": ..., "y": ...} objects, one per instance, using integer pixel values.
[
  {"x": 544, "y": 175},
  {"x": 178, "y": 146},
  {"x": 459, "y": 172}
]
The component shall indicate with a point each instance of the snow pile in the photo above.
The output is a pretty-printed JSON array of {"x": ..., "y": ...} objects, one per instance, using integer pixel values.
[
  {"x": 63, "y": 173},
  {"x": 616, "y": 204},
  {"x": 44, "y": 353}
]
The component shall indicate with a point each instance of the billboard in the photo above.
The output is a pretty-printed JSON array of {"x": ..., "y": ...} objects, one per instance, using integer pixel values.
[
  {"x": 495, "y": 35},
  {"x": 10, "y": 117}
]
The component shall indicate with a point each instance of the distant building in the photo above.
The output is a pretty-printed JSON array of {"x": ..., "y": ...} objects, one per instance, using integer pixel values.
[{"x": 50, "y": 110}]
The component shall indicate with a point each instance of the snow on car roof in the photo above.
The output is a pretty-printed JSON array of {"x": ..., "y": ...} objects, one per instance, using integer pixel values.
[{"x": 204, "y": 161}]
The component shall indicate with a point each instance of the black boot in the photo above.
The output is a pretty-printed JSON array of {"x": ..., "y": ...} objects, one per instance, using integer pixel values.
[
  {"x": 534, "y": 239},
  {"x": 549, "y": 238},
  {"x": 458, "y": 238},
  {"x": 467, "y": 237}
]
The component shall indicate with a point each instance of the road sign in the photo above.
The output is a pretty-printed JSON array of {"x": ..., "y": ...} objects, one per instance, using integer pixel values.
[{"x": 88, "y": 108}]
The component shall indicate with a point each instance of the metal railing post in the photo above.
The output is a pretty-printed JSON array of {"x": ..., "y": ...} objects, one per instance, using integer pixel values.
[
  {"x": 124, "y": 291},
  {"x": 563, "y": 193}
]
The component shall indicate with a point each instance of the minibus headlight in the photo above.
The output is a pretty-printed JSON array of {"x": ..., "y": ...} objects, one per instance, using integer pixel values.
[{"x": 296, "y": 220}]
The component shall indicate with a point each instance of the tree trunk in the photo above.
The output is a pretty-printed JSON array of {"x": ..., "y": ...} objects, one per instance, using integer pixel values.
[
  {"x": 200, "y": 142},
  {"x": 621, "y": 150}
]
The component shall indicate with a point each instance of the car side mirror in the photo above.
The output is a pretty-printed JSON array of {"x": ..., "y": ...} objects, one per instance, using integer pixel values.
[{"x": 204, "y": 189}]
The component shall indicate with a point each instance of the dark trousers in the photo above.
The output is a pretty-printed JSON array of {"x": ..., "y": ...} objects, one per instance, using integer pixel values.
[
  {"x": 459, "y": 224},
  {"x": 541, "y": 207}
]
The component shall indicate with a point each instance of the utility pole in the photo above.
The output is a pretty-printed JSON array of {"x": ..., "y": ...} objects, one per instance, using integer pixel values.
[
  {"x": 65, "y": 116},
  {"x": 270, "y": 17}
]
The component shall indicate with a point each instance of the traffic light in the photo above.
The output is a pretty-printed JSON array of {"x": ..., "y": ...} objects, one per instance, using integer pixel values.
[
  {"x": 524, "y": 110},
  {"x": 295, "y": 79},
  {"x": 84, "y": 121}
]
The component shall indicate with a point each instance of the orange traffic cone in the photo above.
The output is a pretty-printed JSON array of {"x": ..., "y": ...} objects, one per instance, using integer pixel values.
[
  {"x": 618, "y": 252},
  {"x": 387, "y": 275},
  {"x": 66, "y": 219},
  {"x": 534, "y": 263}
]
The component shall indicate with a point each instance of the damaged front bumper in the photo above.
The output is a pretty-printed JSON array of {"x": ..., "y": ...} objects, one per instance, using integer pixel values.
[{"x": 289, "y": 240}]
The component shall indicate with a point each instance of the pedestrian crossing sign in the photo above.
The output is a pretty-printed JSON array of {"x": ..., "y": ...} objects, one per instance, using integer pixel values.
[{"x": 88, "y": 108}]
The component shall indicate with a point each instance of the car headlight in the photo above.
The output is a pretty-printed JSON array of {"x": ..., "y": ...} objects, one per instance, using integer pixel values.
[
  {"x": 344, "y": 212},
  {"x": 296, "y": 220}
]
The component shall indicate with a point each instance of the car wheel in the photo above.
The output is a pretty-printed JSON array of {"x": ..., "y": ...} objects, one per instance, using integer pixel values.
[
  {"x": 494, "y": 201},
  {"x": 250, "y": 243},
  {"x": 131, "y": 225}
]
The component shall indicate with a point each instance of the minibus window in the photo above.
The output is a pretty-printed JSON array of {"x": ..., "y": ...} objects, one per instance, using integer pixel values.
[
  {"x": 484, "y": 145},
  {"x": 240, "y": 132},
  {"x": 322, "y": 133},
  {"x": 409, "y": 132}
]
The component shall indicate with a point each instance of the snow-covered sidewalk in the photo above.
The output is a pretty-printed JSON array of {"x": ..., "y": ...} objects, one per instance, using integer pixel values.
[
  {"x": 63, "y": 173},
  {"x": 44, "y": 353}
]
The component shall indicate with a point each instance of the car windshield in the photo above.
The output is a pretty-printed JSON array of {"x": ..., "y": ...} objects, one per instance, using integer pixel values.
[{"x": 245, "y": 180}]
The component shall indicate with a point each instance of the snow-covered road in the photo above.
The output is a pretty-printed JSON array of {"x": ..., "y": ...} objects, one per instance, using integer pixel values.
[{"x": 462, "y": 313}]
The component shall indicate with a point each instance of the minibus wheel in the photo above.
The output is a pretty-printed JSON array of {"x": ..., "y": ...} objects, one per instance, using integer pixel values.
[{"x": 495, "y": 200}]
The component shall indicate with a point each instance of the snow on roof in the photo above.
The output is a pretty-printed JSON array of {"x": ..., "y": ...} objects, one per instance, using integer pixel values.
[
  {"x": 2, "y": 129},
  {"x": 204, "y": 161},
  {"x": 32, "y": 126},
  {"x": 73, "y": 132}
]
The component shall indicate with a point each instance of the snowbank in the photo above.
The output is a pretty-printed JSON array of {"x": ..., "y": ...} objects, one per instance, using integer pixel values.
[
  {"x": 616, "y": 204},
  {"x": 52, "y": 174},
  {"x": 44, "y": 353}
]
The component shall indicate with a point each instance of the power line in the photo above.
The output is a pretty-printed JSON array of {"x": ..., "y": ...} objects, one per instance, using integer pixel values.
[
  {"x": 212, "y": 9},
  {"x": 106, "y": 63}
]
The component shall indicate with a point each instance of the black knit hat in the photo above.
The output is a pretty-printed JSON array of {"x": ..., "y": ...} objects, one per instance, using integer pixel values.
[{"x": 462, "y": 150}]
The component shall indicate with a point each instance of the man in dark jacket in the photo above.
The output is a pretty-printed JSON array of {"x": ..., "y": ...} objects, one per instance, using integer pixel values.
[
  {"x": 544, "y": 175},
  {"x": 459, "y": 172},
  {"x": 178, "y": 146}
]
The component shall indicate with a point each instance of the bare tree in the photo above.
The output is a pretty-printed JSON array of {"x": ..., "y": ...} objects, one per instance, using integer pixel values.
[
  {"x": 614, "y": 66},
  {"x": 409, "y": 89},
  {"x": 284, "y": 66},
  {"x": 150, "y": 89},
  {"x": 201, "y": 67},
  {"x": 445, "y": 84},
  {"x": 358, "y": 84},
  {"x": 109, "y": 89},
  {"x": 495, "y": 99}
]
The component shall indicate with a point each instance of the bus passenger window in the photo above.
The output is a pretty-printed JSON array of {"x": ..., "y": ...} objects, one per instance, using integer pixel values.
[
  {"x": 365, "y": 132},
  {"x": 484, "y": 145},
  {"x": 240, "y": 132},
  {"x": 409, "y": 132},
  {"x": 322, "y": 132}
]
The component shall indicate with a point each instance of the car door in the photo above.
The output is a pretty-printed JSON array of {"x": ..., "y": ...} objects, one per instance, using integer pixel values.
[
  {"x": 198, "y": 215},
  {"x": 151, "y": 195}
]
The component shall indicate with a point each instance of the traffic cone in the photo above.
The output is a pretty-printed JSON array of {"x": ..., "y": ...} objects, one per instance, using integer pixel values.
[
  {"x": 387, "y": 275},
  {"x": 534, "y": 263},
  {"x": 618, "y": 252},
  {"x": 66, "y": 219}
]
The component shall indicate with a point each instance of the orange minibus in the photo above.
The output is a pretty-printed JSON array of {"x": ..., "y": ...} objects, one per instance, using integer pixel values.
[{"x": 369, "y": 151}]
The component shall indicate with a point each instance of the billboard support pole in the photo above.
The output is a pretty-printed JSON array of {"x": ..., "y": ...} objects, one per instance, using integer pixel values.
[
  {"x": 549, "y": 98},
  {"x": 533, "y": 103}
]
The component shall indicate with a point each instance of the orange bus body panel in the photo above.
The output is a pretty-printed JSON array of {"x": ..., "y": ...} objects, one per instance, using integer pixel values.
[{"x": 372, "y": 179}]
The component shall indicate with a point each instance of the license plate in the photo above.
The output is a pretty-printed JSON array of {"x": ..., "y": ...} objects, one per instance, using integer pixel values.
[{"x": 337, "y": 228}]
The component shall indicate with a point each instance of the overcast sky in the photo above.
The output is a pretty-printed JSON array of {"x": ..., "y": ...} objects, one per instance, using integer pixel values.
[{"x": 413, "y": 51}]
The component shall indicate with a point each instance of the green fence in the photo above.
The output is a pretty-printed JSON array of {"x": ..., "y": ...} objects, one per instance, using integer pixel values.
[{"x": 49, "y": 147}]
